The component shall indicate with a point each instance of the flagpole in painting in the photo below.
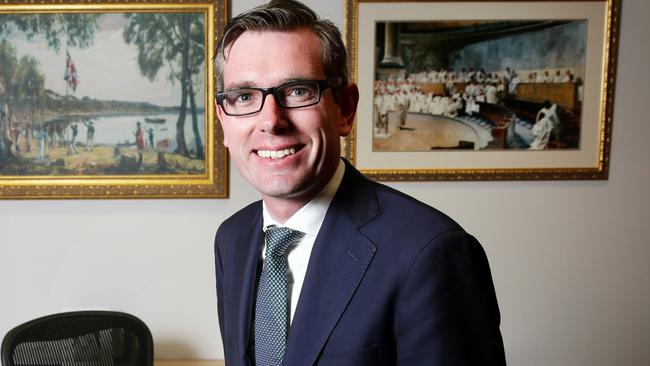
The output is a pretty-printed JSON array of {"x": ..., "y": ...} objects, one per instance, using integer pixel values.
[
  {"x": 71, "y": 81},
  {"x": 70, "y": 75}
]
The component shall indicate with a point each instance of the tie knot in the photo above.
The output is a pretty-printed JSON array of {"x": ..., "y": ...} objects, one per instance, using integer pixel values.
[{"x": 278, "y": 239}]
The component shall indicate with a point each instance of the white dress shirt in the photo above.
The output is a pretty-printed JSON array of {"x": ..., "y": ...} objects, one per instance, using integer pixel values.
[{"x": 307, "y": 220}]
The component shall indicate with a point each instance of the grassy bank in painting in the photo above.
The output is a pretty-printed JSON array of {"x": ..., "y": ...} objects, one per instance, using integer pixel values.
[{"x": 100, "y": 161}]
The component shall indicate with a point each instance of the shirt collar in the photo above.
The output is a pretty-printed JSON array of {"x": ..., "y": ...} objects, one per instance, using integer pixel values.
[{"x": 310, "y": 216}]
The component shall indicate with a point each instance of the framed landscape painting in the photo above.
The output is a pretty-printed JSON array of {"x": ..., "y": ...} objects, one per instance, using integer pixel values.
[
  {"x": 482, "y": 90},
  {"x": 110, "y": 100}
]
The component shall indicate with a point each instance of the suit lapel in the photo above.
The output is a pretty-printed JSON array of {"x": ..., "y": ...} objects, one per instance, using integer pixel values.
[
  {"x": 252, "y": 239},
  {"x": 338, "y": 262}
]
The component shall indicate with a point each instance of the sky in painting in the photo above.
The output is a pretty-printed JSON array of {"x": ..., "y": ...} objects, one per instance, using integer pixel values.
[{"x": 107, "y": 70}]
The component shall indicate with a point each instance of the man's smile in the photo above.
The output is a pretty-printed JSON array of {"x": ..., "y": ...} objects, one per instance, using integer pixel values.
[{"x": 276, "y": 154}]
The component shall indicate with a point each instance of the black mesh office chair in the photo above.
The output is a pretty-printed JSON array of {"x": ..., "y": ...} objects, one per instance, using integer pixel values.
[{"x": 80, "y": 338}]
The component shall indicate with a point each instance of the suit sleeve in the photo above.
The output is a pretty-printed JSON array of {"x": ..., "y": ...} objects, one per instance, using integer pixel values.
[{"x": 447, "y": 313}]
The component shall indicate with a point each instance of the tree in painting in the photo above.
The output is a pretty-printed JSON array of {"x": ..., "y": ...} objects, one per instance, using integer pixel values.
[
  {"x": 21, "y": 82},
  {"x": 178, "y": 40}
]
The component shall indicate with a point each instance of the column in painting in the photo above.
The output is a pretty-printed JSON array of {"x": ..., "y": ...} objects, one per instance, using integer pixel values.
[{"x": 391, "y": 46}]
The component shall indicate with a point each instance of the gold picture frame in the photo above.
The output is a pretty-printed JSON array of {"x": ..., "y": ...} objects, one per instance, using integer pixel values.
[
  {"x": 110, "y": 99},
  {"x": 394, "y": 39}
]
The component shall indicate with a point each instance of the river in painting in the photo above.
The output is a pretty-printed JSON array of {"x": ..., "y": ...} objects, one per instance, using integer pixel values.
[
  {"x": 52, "y": 149},
  {"x": 112, "y": 130}
]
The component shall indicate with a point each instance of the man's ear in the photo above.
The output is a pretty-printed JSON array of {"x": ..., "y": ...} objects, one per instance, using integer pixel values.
[
  {"x": 221, "y": 116},
  {"x": 348, "y": 100}
]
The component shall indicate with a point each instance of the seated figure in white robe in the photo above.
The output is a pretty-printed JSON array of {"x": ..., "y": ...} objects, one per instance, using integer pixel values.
[
  {"x": 550, "y": 111},
  {"x": 541, "y": 133}
]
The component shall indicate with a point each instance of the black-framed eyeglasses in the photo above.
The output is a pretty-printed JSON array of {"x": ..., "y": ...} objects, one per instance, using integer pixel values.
[{"x": 294, "y": 94}]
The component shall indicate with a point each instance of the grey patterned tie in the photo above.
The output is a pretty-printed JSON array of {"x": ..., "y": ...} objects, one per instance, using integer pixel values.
[{"x": 271, "y": 308}]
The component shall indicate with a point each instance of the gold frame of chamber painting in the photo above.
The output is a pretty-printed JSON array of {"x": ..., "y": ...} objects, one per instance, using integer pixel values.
[
  {"x": 89, "y": 145},
  {"x": 366, "y": 34}
]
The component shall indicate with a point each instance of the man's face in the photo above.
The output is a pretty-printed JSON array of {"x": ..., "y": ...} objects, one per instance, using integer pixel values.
[{"x": 304, "y": 142}]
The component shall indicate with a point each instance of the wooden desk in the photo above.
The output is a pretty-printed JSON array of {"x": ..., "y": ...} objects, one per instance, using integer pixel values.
[
  {"x": 562, "y": 94},
  {"x": 188, "y": 363}
]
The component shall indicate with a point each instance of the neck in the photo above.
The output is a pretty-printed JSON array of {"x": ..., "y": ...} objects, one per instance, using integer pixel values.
[{"x": 281, "y": 209}]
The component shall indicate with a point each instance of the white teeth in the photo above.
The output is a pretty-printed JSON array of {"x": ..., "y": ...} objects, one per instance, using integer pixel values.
[{"x": 276, "y": 154}]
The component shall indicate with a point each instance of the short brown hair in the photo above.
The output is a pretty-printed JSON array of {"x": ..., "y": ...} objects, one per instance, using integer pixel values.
[{"x": 286, "y": 15}]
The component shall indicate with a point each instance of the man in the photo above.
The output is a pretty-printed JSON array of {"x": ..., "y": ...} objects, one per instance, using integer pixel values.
[
  {"x": 549, "y": 110},
  {"x": 491, "y": 93},
  {"x": 41, "y": 142},
  {"x": 568, "y": 77},
  {"x": 364, "y": 275},
  {"x": 541, "y": 132},
  {"x": 139, "y": 141},
  {"x": 514, "y": 81},
  {"x": 150, "y": 136},
  {"x": 90, "y": 135},
  {"x": 72, "y": 149}
]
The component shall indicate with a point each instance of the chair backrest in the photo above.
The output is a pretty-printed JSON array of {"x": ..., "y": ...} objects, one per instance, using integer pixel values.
[{"x": 80, "y": 338}]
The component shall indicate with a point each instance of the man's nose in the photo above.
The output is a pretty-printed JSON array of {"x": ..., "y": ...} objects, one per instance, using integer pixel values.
[{"x": 271, "y": 117}]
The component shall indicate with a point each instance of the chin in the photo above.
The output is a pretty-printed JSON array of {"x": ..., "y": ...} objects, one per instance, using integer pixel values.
[
  {"x": 285, "y": 190},
  {"x": 273, "y": 188}
]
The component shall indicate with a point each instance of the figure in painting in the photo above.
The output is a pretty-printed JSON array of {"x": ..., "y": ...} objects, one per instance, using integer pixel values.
[
  {"x": 550, "y": 110},
  {"x": 139, "y": 141},
  {"x": 90, "y": 135},
  {"x": 541, "y": 132},
  {"x": 41, "y": 142},
  {"x": 72, "y": 148},
  {"x": 150, "y": 136}
]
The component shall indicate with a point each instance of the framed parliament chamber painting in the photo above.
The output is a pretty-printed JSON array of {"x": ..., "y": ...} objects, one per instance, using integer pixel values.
[
  {"x": 482, "y": 90},
  {"x": 110, "y": 99}
]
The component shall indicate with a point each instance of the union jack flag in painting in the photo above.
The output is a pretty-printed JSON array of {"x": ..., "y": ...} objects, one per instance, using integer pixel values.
[{"x": 70, "y": 75}]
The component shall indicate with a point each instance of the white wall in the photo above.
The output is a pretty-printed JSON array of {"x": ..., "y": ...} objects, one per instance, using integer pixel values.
[{"x": 570, "y": 260}]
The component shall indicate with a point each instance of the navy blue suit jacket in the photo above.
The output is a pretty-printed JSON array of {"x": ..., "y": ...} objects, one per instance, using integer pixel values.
[{"x": 390, "y": 281}]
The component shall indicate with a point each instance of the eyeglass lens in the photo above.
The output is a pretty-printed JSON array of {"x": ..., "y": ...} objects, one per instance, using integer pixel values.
[{"x": 291, "y": 95}]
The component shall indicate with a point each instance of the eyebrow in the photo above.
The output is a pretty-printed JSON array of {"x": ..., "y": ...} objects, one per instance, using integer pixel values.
[
  {"x": 240, "y": 85},
  {"x": 253, "y": 85}
]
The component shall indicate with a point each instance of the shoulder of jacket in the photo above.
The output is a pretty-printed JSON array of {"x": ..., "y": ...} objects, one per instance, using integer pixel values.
[
  {"x": 409, "y": 212},
  {"x": 241, "y": 218}
]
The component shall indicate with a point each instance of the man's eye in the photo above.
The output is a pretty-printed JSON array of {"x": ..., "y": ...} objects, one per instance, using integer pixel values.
[
  {"x": 240, "y": 98},
  {"x": 244, "y": 97},
  {"x": 300, "y": 92}
]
